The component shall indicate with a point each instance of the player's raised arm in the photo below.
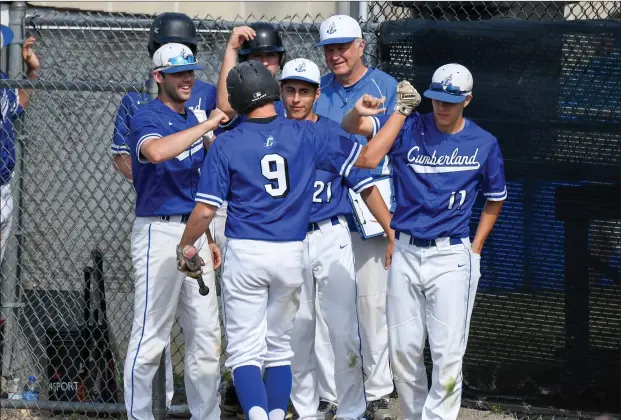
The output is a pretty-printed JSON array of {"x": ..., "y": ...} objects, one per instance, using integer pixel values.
[
  {"x": 229, "y": 60},
  {"x": 381, "y": 143},
  {"x": 156, "y": 149}
]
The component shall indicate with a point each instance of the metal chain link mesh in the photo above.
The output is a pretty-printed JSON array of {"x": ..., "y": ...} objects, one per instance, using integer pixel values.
[{"x": 72, "y": 213}]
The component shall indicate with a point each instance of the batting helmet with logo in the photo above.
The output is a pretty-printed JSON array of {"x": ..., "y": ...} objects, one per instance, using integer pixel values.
[
  {"x": 172, "y": 27},
  {"x": 266, "y": 40},
  {"x": 250, "y": 85}
]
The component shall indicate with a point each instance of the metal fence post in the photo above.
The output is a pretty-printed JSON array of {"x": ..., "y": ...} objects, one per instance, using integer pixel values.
[
  {"x": 11, "y": 270},
  {"x": 159, "y": 380}
]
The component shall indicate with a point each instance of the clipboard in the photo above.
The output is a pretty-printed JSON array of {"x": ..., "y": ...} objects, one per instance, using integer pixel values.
[{"x": 368, "y": 227}]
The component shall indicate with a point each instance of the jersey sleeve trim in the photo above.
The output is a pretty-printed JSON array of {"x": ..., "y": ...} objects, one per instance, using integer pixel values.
[
  {"x": 349, "y": 163},
  {"x": 141, "y": 142},
  {"x": 363, "y": 185},
  {"x": 376, "y": 125},
  {"x": 496, "y": 196},
  {"x": 209, "y": 199},
  {"x": 120, "y": 150}
]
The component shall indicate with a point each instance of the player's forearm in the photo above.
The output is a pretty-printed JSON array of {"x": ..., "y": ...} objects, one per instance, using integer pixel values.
[
  {"x": 165, "y": 148},
  {"x": 222, "y": 99},
  {"x": 374, "y": 201},
  {"x": 490, "y": 214},
  {"x": 123, "y": 164},
  {"x": 198, "y": 224},
  {"x": 355, "y": 123},
  {"x": 376, "y": 149}
]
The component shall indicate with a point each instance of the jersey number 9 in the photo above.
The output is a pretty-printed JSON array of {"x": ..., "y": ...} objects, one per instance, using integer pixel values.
[{"x": 274, "y": 168}]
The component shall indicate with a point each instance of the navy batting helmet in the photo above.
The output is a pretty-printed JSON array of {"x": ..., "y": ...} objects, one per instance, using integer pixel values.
[
  {"x": 172, "y": 27},
  {"x": 250, "y": 85},
  {"x": 266, "y": 40}
]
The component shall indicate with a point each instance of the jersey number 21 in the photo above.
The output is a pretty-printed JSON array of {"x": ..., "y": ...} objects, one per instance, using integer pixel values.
[{"x": 274, "y": 168}]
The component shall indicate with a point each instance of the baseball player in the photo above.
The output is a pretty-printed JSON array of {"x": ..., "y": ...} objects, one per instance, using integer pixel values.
[
  {"x": 258, "y": 42},
  {"x": 328, "y": 263},
  {"x": 165, "y": 28},
  {"x": 440, "y": 160},
  {"x": 167, "y": 148},
  {"x": 348, "y": 80},
  {"x": 13, "y": 102},
  {"x": 265, "y": 168}
]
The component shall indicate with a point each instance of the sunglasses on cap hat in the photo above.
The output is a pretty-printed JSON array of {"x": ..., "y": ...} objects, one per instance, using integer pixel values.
[{"x": 448, "y": 88}]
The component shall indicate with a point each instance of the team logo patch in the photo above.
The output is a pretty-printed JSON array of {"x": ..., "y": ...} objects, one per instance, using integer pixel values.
[
  {"x": 301, "y": 67},
  {"x": 269, "y": 142},
  {"x": 257, "y": 95},
  {"x": 331, "y": 28},
  {"x": 448, "y": 81}
]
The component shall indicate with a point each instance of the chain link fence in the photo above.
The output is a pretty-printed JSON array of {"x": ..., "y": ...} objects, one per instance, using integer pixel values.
[{"x": 67, "y": 278}]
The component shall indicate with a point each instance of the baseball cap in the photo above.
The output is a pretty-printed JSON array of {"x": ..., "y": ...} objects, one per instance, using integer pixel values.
[
  {"x": 174, "y": 58},
  {"x": 450, "y": 83},
  {"x": 301, "y": 69},
  {"x": 6, "y": 36},
  {"x": 339, "y": 29}
]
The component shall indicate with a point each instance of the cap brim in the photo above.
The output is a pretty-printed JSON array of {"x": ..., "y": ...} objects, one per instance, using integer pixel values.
[
  {"x": 179, "y": 69},
  {"x": 303, "y": 79},
  {"x": 331, "y": 41},
  {"x": 7, "y": 35},
  {"x": 444, "y": 97}
]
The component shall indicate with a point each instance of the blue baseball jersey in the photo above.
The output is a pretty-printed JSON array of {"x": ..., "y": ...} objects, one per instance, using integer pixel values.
[
  {"x": 237, "y": 119},
  {"x": 10, "y": 109},
  {"x": 265, "y": 170},
  {"x": 202, "y": 98},
  {"x": 335, "y": 100},
  {"x": 167, "y": 188},
  {"x": 330, "y": 189},
  {"x": 437, "y": 176}
]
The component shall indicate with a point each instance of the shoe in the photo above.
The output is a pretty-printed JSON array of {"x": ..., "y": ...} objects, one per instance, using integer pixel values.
[
  {"x": 289, "y": 415},
  {"x": 328, "y": 409},
  {"x": 230, "y": 403},
  {"x": 379, "y": 410}
]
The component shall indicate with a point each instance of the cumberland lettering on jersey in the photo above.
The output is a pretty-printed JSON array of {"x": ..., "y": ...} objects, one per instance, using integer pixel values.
[
  {"x": 438, "y": 176},
  {"x": 454, "y": 162}
]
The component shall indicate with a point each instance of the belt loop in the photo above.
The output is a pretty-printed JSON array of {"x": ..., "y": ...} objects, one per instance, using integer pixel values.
[{"x": 443, "y": 243}]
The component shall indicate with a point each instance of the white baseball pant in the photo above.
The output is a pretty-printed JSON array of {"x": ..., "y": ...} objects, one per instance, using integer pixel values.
[
  {"x": 324, "y": 356},
  {"x": 328, "y": 263},
  {"x": 260, "y": 293},
  {"x": 431, "y": 292},
  {"x": 159, "y": 288},
  {"x": 6, "y": 217},
  {"x": 372, "y": 283}
]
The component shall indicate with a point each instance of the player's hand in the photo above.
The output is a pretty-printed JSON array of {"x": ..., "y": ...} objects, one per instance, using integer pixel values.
[
  {"x": 368, "y": 105},
  {"x": 239, "y": 35},
  {"x": 216, "y": 255},
  {"x": 217, "y": 117},
  {"x": 189, "y": 262},
  {"x": 389, "y": 249},
  {"x": 29, "y": 56},
  {"x": 408, "y": 98}
]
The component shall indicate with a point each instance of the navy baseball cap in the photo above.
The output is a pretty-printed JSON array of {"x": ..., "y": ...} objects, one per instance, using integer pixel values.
[
  {"x": 450, "y": 83},
  {"x": 174, "y": 58},
  {"x": 6, "y": 35}
]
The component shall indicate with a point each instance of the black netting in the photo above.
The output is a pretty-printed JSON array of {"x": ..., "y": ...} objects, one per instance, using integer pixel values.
[{"x": 546, "y": 323}]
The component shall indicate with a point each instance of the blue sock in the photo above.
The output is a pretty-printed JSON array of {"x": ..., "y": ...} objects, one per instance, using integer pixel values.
[
  {"x": 251, "y": 392},
  {"x": 278, "y": 385}
]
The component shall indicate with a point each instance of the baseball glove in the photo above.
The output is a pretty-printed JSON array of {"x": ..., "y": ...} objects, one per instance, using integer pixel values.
[
  {"x": 407, "y": 98},
  {"x": 189, "y": 262}
]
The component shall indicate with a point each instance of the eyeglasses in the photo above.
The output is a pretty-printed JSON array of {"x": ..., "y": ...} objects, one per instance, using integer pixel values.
[
  {"x": 180, "y": 59},
  {"x": 453, "y": 90}
]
